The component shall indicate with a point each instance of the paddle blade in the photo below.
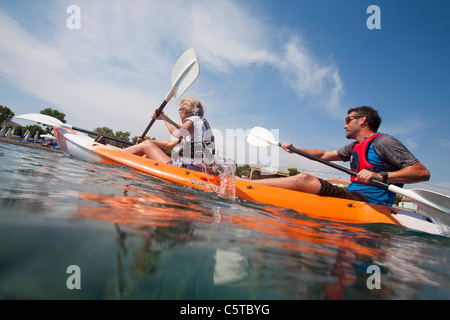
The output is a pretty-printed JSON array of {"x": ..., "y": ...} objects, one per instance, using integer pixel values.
[
  {"x": 41, "y": 118},
  {"x": 436, "y": 205},
  {"x": 185, "y": 72},
  {"x": 439, "y": 198},
  {"x": 261, "y": 137}
]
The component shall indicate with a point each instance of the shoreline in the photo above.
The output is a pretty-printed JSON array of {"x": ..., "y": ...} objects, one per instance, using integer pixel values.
[{"x": 29, "y": 144}]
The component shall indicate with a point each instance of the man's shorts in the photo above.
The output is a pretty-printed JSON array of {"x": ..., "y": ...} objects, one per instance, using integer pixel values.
[{"x": 329, "y": 190}]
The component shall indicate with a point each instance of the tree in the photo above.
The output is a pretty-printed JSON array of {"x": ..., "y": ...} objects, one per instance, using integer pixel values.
[
  {"x": 122, "y": 135},
  {"x": 33, "y": 129},
  {"x": 55, "y": 114},
  {"x": 20, "y": 130},
  {"x": 135, "y": 139},
  {"x": 5, "y": 115},
  {"x": 105, "y": 131},
  {"x": 243, "y": 170},
  {"x": 398, "y": 199},
  {"x": 293, "y": 171}
]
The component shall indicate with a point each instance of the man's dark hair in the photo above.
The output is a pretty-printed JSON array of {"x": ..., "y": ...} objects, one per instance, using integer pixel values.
[{"x": 372, "y": 117}]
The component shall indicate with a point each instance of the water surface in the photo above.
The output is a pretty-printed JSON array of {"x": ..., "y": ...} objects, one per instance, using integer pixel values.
[{"x": 137, "y": 237}]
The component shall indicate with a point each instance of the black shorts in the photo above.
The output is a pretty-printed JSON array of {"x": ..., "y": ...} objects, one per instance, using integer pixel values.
[{"x": 330, "y": 190}]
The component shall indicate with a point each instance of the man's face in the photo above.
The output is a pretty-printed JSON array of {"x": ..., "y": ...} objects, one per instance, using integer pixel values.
[{"x": 352, "y": 126}]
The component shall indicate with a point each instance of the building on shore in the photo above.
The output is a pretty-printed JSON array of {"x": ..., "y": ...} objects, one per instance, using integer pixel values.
[
  {"x": 262, "y": 172},
  {"x": 407, "y": 204}
]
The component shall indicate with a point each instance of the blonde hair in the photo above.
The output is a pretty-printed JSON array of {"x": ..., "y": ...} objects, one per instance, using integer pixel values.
[{"x": 192, "y": 106}]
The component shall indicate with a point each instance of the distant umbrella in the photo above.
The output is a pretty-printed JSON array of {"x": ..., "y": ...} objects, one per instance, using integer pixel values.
[{"x": 48, "y": 136}]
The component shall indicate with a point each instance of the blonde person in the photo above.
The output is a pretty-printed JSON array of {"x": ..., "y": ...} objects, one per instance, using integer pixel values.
[{"x": 193, "y": 142}]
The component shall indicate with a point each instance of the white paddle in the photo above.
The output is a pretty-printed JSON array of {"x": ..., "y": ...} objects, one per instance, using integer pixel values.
[
  {"x": 184, "y": 73},
  {"x": 435, "y": 204},
  {"x": 53, "y": 122}
]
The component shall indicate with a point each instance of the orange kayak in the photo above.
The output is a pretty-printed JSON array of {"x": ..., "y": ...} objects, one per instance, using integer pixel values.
[{"x": 333, "y": 209}]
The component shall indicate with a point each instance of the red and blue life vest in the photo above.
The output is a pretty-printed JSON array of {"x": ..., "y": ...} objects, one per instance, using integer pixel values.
[{"x": 358, "y": 160}]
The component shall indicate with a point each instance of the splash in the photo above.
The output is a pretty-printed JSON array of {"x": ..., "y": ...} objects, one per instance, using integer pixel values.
[
  {"x": 228, "y": 181},
  {"x": 225, "y": 170}
]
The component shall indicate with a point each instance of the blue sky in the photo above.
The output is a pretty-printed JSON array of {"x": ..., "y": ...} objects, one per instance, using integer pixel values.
[{"x": 295, "y": 66}]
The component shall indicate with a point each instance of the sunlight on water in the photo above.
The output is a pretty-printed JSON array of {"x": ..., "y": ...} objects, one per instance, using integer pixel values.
[{"x": 138, "y": 237}]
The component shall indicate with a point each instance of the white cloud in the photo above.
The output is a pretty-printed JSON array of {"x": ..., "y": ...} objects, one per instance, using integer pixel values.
[
  {"x": 443, "y": 142},
  {"x": 121, "y": 59},
  {"x": 226, "y": 34},
  {"x": 310, "y": 78}
]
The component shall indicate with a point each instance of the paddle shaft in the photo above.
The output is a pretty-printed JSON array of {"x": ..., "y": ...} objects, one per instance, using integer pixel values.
[
  {"x": 106, "y": 137},
  {"x": 53, "y": 122},
  {"x": 158, "y": 112},
  {"x": 336, "y": 166}
]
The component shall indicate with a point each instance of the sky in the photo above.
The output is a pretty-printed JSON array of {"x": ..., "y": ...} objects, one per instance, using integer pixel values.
[{"x": 294, "y": 67}]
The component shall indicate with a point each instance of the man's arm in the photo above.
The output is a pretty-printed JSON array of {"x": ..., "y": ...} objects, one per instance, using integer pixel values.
[
  {"x": 414, "y": 173},
  {"x": 402, "y": 166},
  {"x": 322, "y": 154}
]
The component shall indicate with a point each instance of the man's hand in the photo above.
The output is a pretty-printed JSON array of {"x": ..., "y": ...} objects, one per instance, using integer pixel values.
[
  {"x": 365, "y": 176},
  {"x": 286, "y": 146}
]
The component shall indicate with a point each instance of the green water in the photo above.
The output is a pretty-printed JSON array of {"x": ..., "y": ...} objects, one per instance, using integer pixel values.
[{"x": 137, "y": 237}]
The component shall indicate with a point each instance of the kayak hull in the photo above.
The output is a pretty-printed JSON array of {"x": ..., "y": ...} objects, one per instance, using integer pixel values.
[
  {"x": 333, "y": 209},
  {"x": 76, "y": 144}
]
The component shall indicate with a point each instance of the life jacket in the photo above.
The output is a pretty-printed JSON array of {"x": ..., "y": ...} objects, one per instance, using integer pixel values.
[
  {"x": 208, "y": 138},
  {"x": 199, "y": 145},
  {"x": 358, "y": 160}
]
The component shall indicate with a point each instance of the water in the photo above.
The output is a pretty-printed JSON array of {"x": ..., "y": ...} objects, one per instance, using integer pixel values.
[{"x": 136, "y": 237}]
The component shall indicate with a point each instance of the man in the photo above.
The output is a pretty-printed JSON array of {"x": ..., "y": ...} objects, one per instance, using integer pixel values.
[{"x": 373, "y": 155}]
